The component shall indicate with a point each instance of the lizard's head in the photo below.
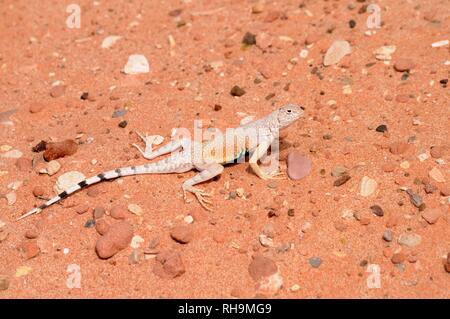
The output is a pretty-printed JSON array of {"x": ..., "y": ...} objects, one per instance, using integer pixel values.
[{"x": 288, "y": 114}]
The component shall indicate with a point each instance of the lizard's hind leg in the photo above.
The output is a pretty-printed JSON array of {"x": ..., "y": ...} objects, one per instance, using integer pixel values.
[
  {"x": 149, "y": 154},
  {"x": 207, "y": 173}
]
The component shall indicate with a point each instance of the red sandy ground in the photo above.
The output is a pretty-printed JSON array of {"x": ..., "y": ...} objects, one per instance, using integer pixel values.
[{"x": 35, "y": 43}]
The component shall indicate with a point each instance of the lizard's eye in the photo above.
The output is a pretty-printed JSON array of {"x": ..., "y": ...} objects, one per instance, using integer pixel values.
[{"x": 289, "y": 111}]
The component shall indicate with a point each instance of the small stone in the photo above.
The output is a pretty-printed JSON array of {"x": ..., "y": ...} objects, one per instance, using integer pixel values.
[
  {"x": 340, "y": 225},
  {"x": 11, "y": 198},
  {"x": 409, "y": 239},
  {"x": 38, "y": 191},
  {"x": 315, "y": 262},
  {"x": 437, "y": 175},
  {"x": 123, "y": 124},
  {"x": 398, "y": 258},
  {"x": 14, "y": 154},
  {"x": 384, "y": 53},
  {"x": 381, "y": 128},
  {"x": 342, "y": 180},
  {"x": 432, "y": 215},
  {"x": 182, "y": 234},
  {"x": 169, "y": 264},
  {"x": 101, "y": 226},
  {"x": 4, "y": 283},
  {"x": 29, "y": 249},
  {"x": 298, "y": 166},
  {"x": 388, "y": 235},
  {"x": 265, "y": 241},
  {"x": 57, "y": 91},
  {"x": 118, "y": 212},
  {"x": 36, "y": 107},
  {"x": 136, "y": 64},
  {"x": 53, "y": 167},
  {"x": 119, "y": 113},
  {"x": 437, "y": 151},
  {"x": 116, "y": 239},
  {"x": 188, "y": 219},
  {"x": 402, "y": 65},
  {"x": 415, "y": 199},
  {"x": 445, "y": 190},
  {"x": 67, "y": 180},
  {"x": 272, "y": 16},
  {"x": 98, "y": 213},
  {"x": 388, "y": 167},
  {"x": 367, "y": 187},
  {"x": 32, "y": 232},
  {"x": 109, "y": 41},
  {"x": 237, "y": 91},
  {"x": 136, "y": 241},
  {"x": 249, "y": 39},
  {"x": 429, "y": 188},
  {"x": 336, "y": 52},
  {"x": 261, "y": 267},
  {"x": 81, "y": 209},
  {"x": 135, "y": 209},
  {"x": 258, "y": 8},
  {"x": 39, "y": 147},
  {"x": 57, "y": 150},
  {"x": 398, "y": 148},
  {"x": 93, "y": 192},
  {"x": 312, "y": 38},
  {"x": 90, "y": 223},
  {"x": 377, "y": 210}
]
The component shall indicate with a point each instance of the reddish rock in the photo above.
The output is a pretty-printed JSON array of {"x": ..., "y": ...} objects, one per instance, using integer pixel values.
[
  {"x": 312, "y": 38},
  {"x": 398, "y": 258},
  {"x": 169, "y": 265},
  {"x": 402, "y": 65},
  {"x": 431, "y": 215},
  {"x": 38, "y": 191},
  {"x": 182, "y": 234},
  {"x": 93, "y": 192},
  {"x": 261, "y": 267},
  {"x": 298, "y": 166},
  {"x": 402, "y": 98},
  {"x": 437, "y": 151},
  {"x": 445, "y": 189},
  {"x": 388, "y": 167},
  {"x": 272, "y": 16},
  {"x": 219, "y": 237},
  {"x": 98, "y": 212},
  {"x": 60, "y": 149},
  {"x": 398, "y": 148},
  {"x": 81, "y": 209},
  {"x": 117, "y": 238},
  {"x": 32, "y": 232},
  {"x": 447, "y": 267},
  {"x": 101, "y": 226},
  {"x": 340, "y": 225},
  {"x": 24, "y": 164},
  {"x": 29, "y": 249},
  {"x": 57, "y": 91},
  {"x": 36, "y": 107},
  {"x": 118, "y": 212}
]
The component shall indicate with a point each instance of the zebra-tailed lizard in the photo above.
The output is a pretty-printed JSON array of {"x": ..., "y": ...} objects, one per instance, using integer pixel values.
[{"x": 208, "y": 157}]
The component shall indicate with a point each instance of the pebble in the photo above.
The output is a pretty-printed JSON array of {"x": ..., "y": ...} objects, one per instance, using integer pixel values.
[
  {"x": 237, "y": 91},
  {"x": 57, "y": 150},
  {"x": 272, "y": 16},
  {"x": 24, "y": 164},
  {"x": 39, "y": 147},
  {"x": 36, "y": 107},
  {"x": 90, "y": 223},
  {"x": 261, "y": 267},
  {"x": 388, "y": 235},
  {"x": 136, "y": 64},
  {"x": 118, "y": 212},
  {"x": 441, "y": 43},
  {"x": 22, "y": 271},
  {"x": 32, "y": 232},
  {"x": 336, "y": 52},
  {"x": 109, "y": 41},
  {"x": 136, "y": 241},
  {"x": 342, "y": 180},
  {"x": 249, "y": 39},
  {"x": 265, "y": 241},
  {"x": 102, "y": 226},
  {"x": 415, "y": 199},
  {"x": 53, "y": 167},
  {"x": 340, "y": 225},
  {"x": 119, "y": 113},
  {"x": 11, "y": 198},
  {"x": 98, "y": 213},
  {"x": 367, "y": 187},
  {"x": 135, "y": 209},
  {"x": 384, "y": 53},
  {"x": 377, "y": 210},
  {"x": 398, "y": 148},
  {"x": 381, "y": 128},
  {"x": 315, "y": 262},
  {"x": 388, "y": 167},
  {"x": 13, "y": 154},
  {"x": 258, "y": 8},
  {"x": 93, "y": 192},
  {"x": 429, "y": 188},
  {"x": 67, "y": 180},
  {"x": 437, "y": 175},
  {"x": 123, "y": 124},
  {"x": 29, "y": 249},
  {"x": 402, "y": 65},
  {"x": 4, "y": 283},
  {"x": 398, "y": 258},
  {"x": 445, "y": 190},
  {"x": 432, "y": 215},
  {"x": 188, "y": 219},
  {"x": 312, "y": 38},
  {"x": 57, "y": 91},
  {"x": 169, "y": 264},
  {"x": 409, "y": 239},
  {"x": 81, "y": 209},
  {"x": 338, "y": 171},
  {"x": 437, "y": 151},
  {"x": 298, "y": 166},
  {"x": 182, "y": 234},
  {"x": 117, "y": 238}
]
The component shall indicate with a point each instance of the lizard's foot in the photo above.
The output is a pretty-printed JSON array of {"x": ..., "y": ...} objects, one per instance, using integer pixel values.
[
  {"x": 200, "y": 195},
  {"x": 149, "y": 140},
  {"x": 276, "y": 175}
]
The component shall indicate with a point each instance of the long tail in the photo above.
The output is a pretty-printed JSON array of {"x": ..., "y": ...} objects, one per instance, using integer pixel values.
[{"x": 157, "y": 167}]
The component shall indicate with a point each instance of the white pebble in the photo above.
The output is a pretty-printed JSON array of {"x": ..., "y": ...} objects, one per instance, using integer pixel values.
[
  {"x": 137, "y": 64},
  {"x": 439, "y": 43},
  {"x": 110, "y": 41}
]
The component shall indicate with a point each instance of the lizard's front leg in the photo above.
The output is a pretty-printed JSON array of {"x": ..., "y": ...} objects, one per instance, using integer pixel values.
[
  {"x": 149, "y": 154},
  {"x": 209, "y": 172},
  {"x": 260, "y": 152}
]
